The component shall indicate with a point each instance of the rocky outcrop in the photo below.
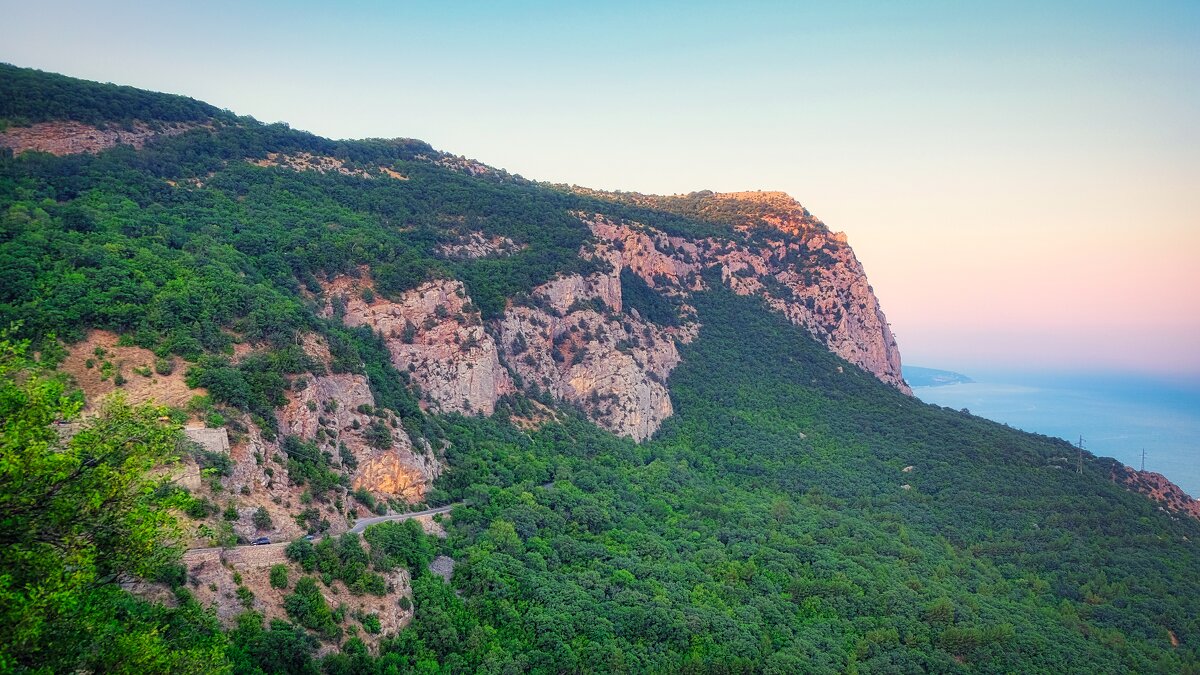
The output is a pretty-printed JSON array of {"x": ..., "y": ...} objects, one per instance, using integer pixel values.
[
  {"x": 574, "y": 338},
  {"x": 336, "y": 410},
  {"x": 69, "y": 138},
  {"x": 642, "y": 250},
  {"x": 475, "y": 245},
  {"x": 214, "y": 576},
  {"x": 1158, "y": 488},
  {"x": 434, "y": 333},
  {"x": 306, "y": 161},
  {"x": 802, "y": 270},
  {"x": 819, "y": 284},
  {"x": 573, "y": 342}
]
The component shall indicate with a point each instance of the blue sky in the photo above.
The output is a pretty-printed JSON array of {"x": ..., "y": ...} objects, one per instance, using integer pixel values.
[{"x": 1019, "y": 179}]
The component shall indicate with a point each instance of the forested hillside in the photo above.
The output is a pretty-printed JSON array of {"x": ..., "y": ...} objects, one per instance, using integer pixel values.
[{"x": 673, "y": 429}]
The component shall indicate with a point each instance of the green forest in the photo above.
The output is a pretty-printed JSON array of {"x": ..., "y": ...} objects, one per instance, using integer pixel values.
[{"x": 794, "y": 514}]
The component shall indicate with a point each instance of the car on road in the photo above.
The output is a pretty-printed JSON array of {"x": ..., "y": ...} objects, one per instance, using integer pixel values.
[
  {"x": 260, "y": 541},
  {"x": 309, "y": 537}
]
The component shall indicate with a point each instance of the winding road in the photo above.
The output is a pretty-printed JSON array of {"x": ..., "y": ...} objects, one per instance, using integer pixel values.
[{"x": 359, "y": 526}]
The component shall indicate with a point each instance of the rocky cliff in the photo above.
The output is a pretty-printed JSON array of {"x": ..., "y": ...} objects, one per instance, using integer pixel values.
[
  {"x": 336, "y": 410},
  {"x": 803, "y": 271},
  {"x": 572, "y": 341},
  {"x": 575, "y": 337},
  {"x": 433, "y": 332},
  {"x": 1158, "y": 488}
]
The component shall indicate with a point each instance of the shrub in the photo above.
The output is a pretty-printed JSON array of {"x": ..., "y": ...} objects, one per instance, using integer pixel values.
[
  {"x": 370, "y": 623},
  {"x": 200, "y": 508},
  {"x": 302, "y": 551},
  {"x": 369, "y": 582},
  {"x": 364, "y": 497},
  {"x": 307, "y": 607},
  {"x": 246, "y": 596},
  {"x": 378, "y": 435},
  {"x": 262, "y": 519},
  {"x": 164, "y": 366},
  {"x": 279, "y": 576}
]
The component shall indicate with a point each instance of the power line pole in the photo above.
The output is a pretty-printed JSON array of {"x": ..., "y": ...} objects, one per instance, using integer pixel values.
[
  {"x": 1143, "y": 459},
  {"x": 1079, "y": 468}
]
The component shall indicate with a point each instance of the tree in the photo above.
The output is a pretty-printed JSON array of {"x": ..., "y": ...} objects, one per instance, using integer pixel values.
[
  {"x": 403, "y": 543},
  {"x": 78, "y": 515},
  {"x": 262, "y": 519}
]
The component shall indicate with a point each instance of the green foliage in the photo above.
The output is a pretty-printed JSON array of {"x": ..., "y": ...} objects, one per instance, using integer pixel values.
[
  {"x": 303, "y": 552},
  {"x": 364, "y": 497},
  {"x": 245, "y": 596},
  {"x": 256, "y": 384},
  {"x": 400, "y": 543},
  {"x": 282, "y": 648},
  {"x": 279, "y": 576},
  {"x": 307, "y": 607},
  {"x": 30, "y": 96},
  {"x": 200, "y": 508},
  {"x": 262, "y": 519},
  {"x": 371, "y": 624},
  {"x": 344, "y": 558},
  {"x": 652, "y": 306},
  {"x": 766, "y": 528},
  {"x": 77, "y": 516},
  {"x": 164, "y": 366},
  {"x": 369, "y": 582},
  {"x": 308, "y": 465},
  {"x": 210, "y": 463},
  {"x": 378, "y": 435}
]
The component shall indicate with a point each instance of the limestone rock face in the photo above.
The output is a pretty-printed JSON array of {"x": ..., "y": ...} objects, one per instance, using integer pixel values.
[
  {"x": 575, "y": 338},
  {"x": 819, "y": 284},
  {"x": 329, "y": 409},
  {"x": 802, "y": 270},
  {"x": 434, "y": 333},
  {"x": 70, "y": 138},
  {"x": 474, "y": 245},
  {"x": 614, "y": 366},
  {"x": 642, "y": 251}
]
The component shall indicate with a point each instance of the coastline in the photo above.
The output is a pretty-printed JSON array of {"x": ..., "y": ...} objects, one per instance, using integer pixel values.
[{"x": 1117, "y": 416}]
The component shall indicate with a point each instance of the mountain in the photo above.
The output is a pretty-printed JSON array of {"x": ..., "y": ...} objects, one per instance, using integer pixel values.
[
  {"x": 670, "y": 432},
  {"x": 932, "y": 377}
]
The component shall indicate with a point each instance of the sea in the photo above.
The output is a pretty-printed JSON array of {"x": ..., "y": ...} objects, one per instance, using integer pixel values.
[{"x": 1116, "y": 415}]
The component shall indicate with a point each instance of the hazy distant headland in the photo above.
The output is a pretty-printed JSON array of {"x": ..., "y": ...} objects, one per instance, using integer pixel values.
[{"x": 916, "y": 376}]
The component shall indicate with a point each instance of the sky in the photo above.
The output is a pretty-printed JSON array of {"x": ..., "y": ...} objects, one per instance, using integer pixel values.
[{"x": 1021, "y": 180}]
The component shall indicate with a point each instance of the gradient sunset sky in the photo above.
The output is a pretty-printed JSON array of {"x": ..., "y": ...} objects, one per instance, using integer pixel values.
[{"x": 1020, "y": 180}]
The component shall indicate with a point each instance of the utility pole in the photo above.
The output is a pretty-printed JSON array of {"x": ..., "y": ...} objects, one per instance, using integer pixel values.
[
  {"x": 1079, "y": 468},
  {"x": 1143, "y": 459}
]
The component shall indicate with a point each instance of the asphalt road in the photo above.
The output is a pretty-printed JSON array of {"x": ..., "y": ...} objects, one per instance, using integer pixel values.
[{"x": 362, "y": 525}]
